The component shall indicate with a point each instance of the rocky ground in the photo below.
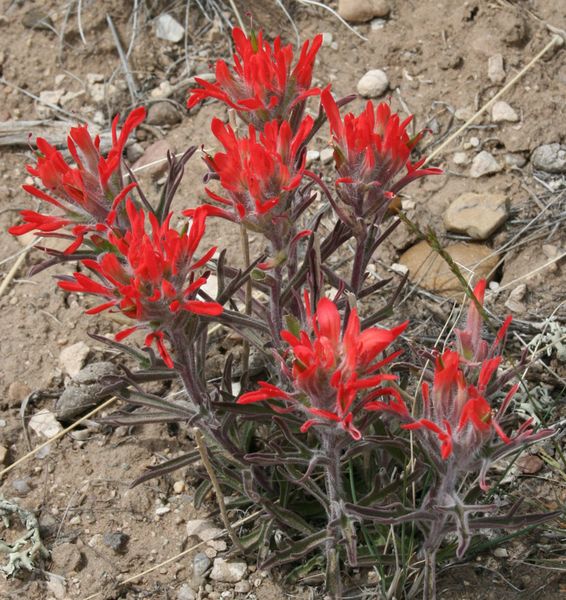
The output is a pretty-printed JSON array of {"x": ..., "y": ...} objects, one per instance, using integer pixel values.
[{"x": 499, "y": 210}]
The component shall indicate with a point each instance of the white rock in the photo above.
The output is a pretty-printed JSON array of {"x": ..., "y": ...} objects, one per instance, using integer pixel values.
[
  {"x": 484, "y": 164},
  {"x": 460, "y": 158},
  {"x": 500, "y": 553},
  {"x": 474, "y": 142},
  {"x": 377, "y": 24},
  {"x": 195, "y": 525},
  {"x": 73, "y": 358},
  {"x": 373, "y": 84},
  {"x": 169, "y": 29},
  {"x": 312, "y": 156},
  {"x": 327, "y": 156},
  {"x": 399, "y": 268},
  {"x": 226, "y": 572},
  {"x": 501, "y": 112},
  {"x": 203, "y": 529},
  {"x": 179, "y": 487},
  {"x": 164, "y": 90},
  {"x": 162, "y": 510},
  {"x": 45, "y": 424},
  {"x": 242, "y": 587},
  {"x": 495, "y": 69},
  {"x": 327, "y": 38}
]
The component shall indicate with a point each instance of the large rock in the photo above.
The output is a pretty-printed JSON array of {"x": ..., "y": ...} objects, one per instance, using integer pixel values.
[
  {"x": 430, "y": 271},
  {"x": 373, "y": 84},
  {"x": 550, "y": 158},
  {"x": 85, "y": 390},
  {"x": 154, "y": 159},
  {"x": 169, "y": 29},
  {"x": 361, "y": 11},
  {"x": 477, "y": 215}
]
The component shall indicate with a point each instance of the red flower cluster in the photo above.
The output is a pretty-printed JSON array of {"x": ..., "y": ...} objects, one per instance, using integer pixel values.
[
  {"x": 262, "y": 85},
  {"x": 457, "y": 412},
  {"x": 329, "y": 369},
  {"x": 256, "y": 171},
  {"x": 149, "y": 277},
  {"x": 88, "y": 193},
  {"x": 374, "y": 147}
]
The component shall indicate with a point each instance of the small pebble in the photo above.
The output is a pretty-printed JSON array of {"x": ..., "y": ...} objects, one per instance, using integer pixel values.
[
  {"x": 201, "y": 564},
  {"x": 501, "y": 112},
  {"x": 179, "y": 487},
  {"x": 117, "y": 541},
  {"x": 373, "y": 84}
]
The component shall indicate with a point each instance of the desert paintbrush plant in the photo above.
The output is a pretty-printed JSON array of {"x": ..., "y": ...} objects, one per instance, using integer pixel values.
[{"x": 324, "y": 443}]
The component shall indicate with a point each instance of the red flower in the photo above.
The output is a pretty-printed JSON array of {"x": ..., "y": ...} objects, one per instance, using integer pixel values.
[
  {"x": 262, "y": 85},
  {"x": 456, "y": 412},
  {"x": 149, "y": 277},
  {"x": 374, "y": 147},
  {"x": 257, "y": 171},
  {"x": 329, "y": 369},
  {"x": 88, "y": 193}
]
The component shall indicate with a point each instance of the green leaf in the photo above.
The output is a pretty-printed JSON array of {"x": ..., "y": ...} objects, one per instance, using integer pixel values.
[
  {"x": 296, "y": 550},
  {"x": 143, "y": 399},
  {"x": 167, "y": 467},
  {"x": 201, "y": 492}
]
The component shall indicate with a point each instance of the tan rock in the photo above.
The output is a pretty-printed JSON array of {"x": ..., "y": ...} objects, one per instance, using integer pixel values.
[
  {"x": 430, "y": 271},
  {"x": 501, "y": 112},
  {"x": 361, "y": 11},
  {"x": 477, "y": 215},
  {"x": 154, "y": 159},
  {"x": 484, "y": 163}
]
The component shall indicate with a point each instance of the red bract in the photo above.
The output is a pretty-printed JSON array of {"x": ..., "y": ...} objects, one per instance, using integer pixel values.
[
  {"x": 262, "y": 84},
  {"x": 374, "y": 147},
  {"x": 257, "y": 171},
  {"x": 149, "y": 276},
  {"x": 457, "y": 412},
  {"x": 329, "y": 369},
  {"x": 457, "y": 420},
  {"x": 89, "y": 192}
]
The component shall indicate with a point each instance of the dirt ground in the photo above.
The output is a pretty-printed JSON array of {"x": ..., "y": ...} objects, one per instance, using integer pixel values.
[{"x": 435, "y": 53}]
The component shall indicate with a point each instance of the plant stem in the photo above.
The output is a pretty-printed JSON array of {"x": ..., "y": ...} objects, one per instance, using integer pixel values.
[
  {"x": 333, "y": 480},
  {"x": 429, "y": 588},
  {"x": 248, "y": 305},
  {"x": 216, "y": 485}
]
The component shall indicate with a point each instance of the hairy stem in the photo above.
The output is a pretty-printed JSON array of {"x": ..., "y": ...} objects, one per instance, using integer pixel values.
[{"x": 333, "y": 482}]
